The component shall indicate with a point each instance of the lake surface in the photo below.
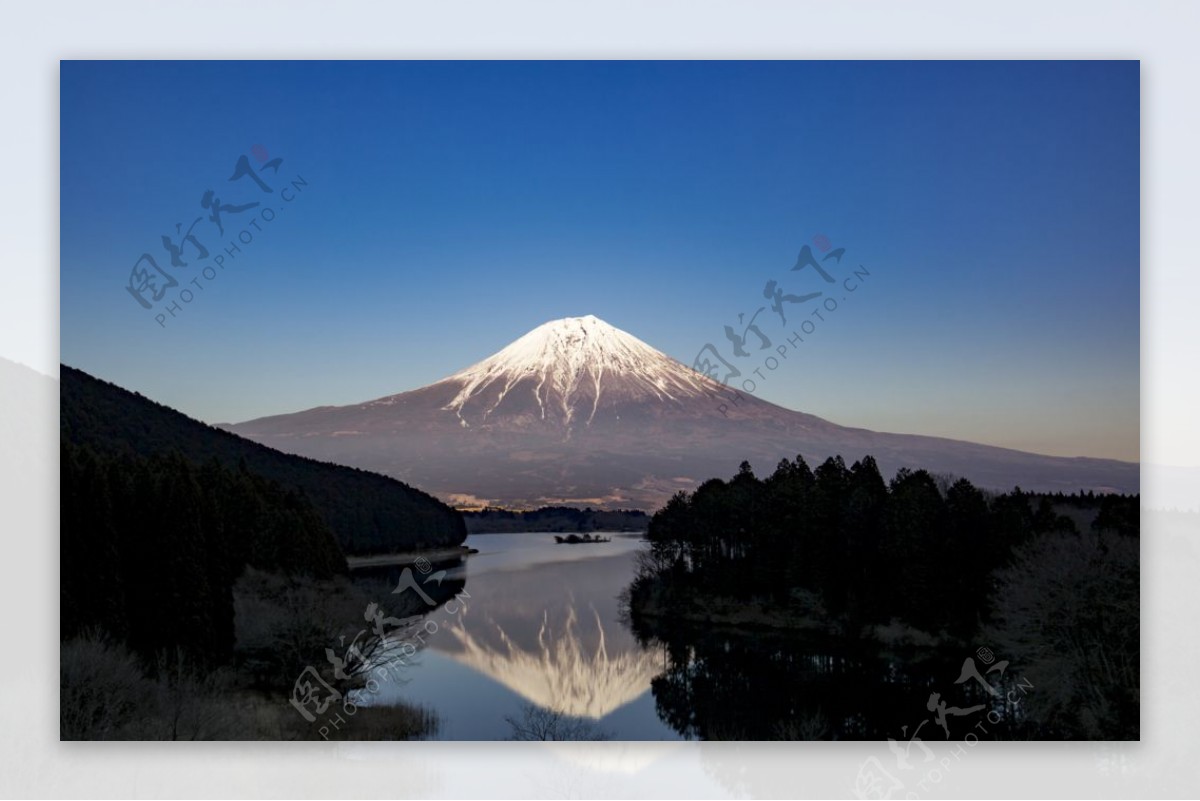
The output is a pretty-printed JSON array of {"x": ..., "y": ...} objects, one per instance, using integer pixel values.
[
  {"x": 535, "y": 647},
  {"x": 540, "y": 632}
]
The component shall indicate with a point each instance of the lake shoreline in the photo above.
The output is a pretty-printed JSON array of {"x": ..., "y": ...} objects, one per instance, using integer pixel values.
[
  {"x": 665, "y": 604},
  {"x": 432, "y": 555}
]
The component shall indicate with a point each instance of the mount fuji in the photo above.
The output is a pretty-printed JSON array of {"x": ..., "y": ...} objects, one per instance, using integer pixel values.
[{"x": 579, "y": 412}]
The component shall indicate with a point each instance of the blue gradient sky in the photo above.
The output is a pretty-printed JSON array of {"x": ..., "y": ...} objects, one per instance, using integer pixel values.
[{"x": 451, "y": 207}]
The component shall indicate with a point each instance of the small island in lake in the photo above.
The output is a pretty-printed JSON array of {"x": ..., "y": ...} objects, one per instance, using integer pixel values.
[{"x": 575, "y": 539}]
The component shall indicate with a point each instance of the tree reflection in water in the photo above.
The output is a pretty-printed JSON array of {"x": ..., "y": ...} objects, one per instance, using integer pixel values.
[
  {"x": 537, "y": 723},
  {"x": 735, "y": 685}
]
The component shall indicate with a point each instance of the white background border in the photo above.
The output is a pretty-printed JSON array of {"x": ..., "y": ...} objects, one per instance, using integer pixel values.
[{"x": 35, "y": 36}]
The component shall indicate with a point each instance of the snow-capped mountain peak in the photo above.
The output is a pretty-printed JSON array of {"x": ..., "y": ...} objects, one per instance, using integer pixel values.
[
  {"x": 566, "y": 370},
  {"x": 579, "y": 412}
]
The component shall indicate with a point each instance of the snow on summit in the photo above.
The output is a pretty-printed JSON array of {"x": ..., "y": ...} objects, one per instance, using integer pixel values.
[
  {"x": 579, "y": 412},
  {"x": 570, "y": 368}
]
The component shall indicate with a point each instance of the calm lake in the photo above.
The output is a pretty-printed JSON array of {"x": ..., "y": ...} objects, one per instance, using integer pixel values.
[
  {"x": 540, "y": 631},
  {"x": 540, "y": 635}
]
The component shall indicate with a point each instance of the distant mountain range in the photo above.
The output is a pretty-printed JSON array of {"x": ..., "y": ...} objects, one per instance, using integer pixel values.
[
  {"x": 579, "y": 412},
  {"x": 561, "y": 519},
  {"x": 367, "y": 513}
]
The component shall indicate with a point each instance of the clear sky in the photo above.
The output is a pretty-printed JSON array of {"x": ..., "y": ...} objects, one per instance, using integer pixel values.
[{"x": 439, "y": 210}]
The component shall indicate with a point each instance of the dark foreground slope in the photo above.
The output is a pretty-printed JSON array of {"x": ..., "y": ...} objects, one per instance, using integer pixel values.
[
  {"x": 199, "y": 579},
  {"x": 368, "y": 513}
]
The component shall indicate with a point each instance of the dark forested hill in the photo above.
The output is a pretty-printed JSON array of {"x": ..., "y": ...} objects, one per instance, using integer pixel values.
[
  {"x": 152, "y": 546},
  {"x": 368, "y": 513}
]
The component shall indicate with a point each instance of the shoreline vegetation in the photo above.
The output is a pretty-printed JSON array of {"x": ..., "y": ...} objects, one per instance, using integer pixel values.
[
  {"x": 922, "y": 562},
  {"x": 202, "y": 574},
  {"x": 282, "y": 625}
]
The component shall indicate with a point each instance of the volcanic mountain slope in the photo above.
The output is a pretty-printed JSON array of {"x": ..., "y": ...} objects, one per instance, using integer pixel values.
[{"x": 577, "y": 411}]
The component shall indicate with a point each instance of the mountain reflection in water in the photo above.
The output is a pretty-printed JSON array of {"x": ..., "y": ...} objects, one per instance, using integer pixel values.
[
  {"x": 539, "y": 650},
  {"x": 541, "y": 628},
  {"x": 568, "y": 668}
]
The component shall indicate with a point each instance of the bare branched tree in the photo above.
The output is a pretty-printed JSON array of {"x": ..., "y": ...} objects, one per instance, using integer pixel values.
[
  {"x": 1068, "y": 614},
  {"x": 536, "y": 723}
]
